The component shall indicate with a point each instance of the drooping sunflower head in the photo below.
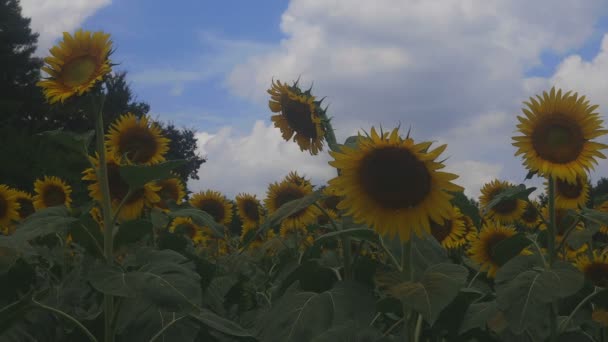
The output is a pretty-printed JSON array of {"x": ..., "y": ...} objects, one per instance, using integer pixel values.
[
  {"x": 26, "y": 203},
  {"x": 187, "y": 227},
  {"x": 393, "y": 184},
  {"x": 136, "y": 202},
  {"x": 571, "y": 195},
  {"x": 51, "y": 191},
  {"x": 9, "y": 207},
  {"x": 281, "y": 193},
  {"x": 171, "y": 189},
  {"x": 295, "y": 178},
  {"x": 137, "y": 140},
  {"x": 214, "y": 204},
  {"x": 451, "y": 233},
  {"x": 76, "y": 64},
  {"x": 595, "y": 268},
  {"x": 531, "y": 218},
  {"x": 481, "y": 249},
  {"x": 558, "y": 131},
  {"x": 298, "y": 115},
  {"x": 250, "y": 211},
  {"x": 506, "y": 211}
]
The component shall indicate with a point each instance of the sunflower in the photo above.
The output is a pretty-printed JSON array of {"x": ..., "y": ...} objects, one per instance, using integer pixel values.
[
  {"x": 393, "y": 184},
  {"x": 557, "y": 135},
  {"x": 97, "y": 216},
  {"x": 324, "y": 219},
  {"x": 299, "y": 115},
  {"x": 50, "y": 192},
  {"x": 570, "y": 253},
  {"x": 137, "y": 140},
  {"x": 470, "y": 230},
  {"x": 190, "y": 229},
  {"x": 600, "y": 315},
  {"x": 481, "y": 250},
  {"x": 562, "y": 220},
  {"x": 530, "y": 218},
  {"x": 330, "y": 202},
  {"x": 9, "y": 206},
  {"x": 506, "y": 211},
  {"x": 451, "y": 233},
  {"x": 571, "y": 195},
  {"x": 26, "y": 203},
  {"x": 171, "y": 189},
  {"x": 603, "y": 208},
  {"x": 134, "y": 205},
  {"x": 214, "y": 204},
  {"x": 595, "y": 268},
  {"x": 76, "y": 64},
  {"x": 281, "y": 193},
  {"x": 295, "y": 178},
  {"x": 249, "y": 209}
]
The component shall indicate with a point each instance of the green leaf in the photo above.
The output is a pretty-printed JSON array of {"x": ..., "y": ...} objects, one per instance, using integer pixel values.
[
  {"x": 359, "y": 233},
  {"x": 132, "y": 231},
  {"x": 595, "y": 216},
  {"x": 352, "y": 141},
  {"x": 531, "y": 174},
  {"x": 201, "y": 218},
  {"x": 111, "y": 280},
  {"x": 14, "y": 311},
  {"x": 159, "y": 219},
  {"x": 426, "y": 252},
  {"x": 439, "y": 285},
  {"x": 517, "y": 192},
  {"x": 211, "y": 320},
  {"x": 578, "y": 336},
  {"x": 78, "y": 142},
  {"x": 477, "y": 315},
  {"x": 138, "y": 175},
  {"x": 516, "y": 266},
  {"x": 510, "y": 247},
  {"x": 8, "y": 257},
  {"x": 291, "y": 208}
]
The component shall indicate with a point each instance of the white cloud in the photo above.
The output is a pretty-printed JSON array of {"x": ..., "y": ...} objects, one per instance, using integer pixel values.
[
  {"x": 50, "y": 18},
  {"x": 249, "y": 162}
]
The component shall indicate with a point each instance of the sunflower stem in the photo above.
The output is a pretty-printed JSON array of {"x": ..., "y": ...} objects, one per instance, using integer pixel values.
[
  {"x": 391, "y": 255},
  {"x": 407, "y": 262},
  {"x": 551, "y": 250},
  {"x": 106, "y": 209}
]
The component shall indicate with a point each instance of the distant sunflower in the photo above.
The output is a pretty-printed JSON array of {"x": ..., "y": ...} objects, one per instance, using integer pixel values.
[
  {"x": 393, "y": 185},
  {"x": 557, "y": 135},
  {"x": 595, "y": 269},
  {"x": 600, "y": 315},
  {"x": 530, "y": 218},
  {"x": 9, "y": 207},
  {"x": 506, "y": 211},
  {"x": 76, "y": 64},
  {"x": 451, "y": 233},
  {"x": 26, "y": 204},
  {"x": 249, "y": 209},
  {"x": 295, "y": 178},
  {"x": 323, "y": 219},
  {"x": 137, "y": 140},
  {"x": 570, "y": 253},
  {"x": 603, "y": 208},
  {"x": 299, "y": 115},
  {"x": 50, "y": 192},
  {"x": 135, "y": 204},
  {"x": 186, "y": 226},
  {"x": 481, "y": 250},
  {"x": 331, "y": 200},
  {"x": 281, "y": 193},
  {"x": 171, "y": 189},
  {"x": 214, "y": 204},
  {"x": 470, "y": 230},
  {"x": 571, "y": 195}
]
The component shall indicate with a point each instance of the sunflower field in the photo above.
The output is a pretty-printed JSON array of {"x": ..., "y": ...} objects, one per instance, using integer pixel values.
[{"x": 389, "y": 250}]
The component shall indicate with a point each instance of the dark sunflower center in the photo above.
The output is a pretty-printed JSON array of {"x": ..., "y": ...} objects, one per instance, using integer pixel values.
[
  {"x": 53, "y": 195},
  {"x": 3, "y": 206},
  {"x": 138, "y": 144},
  {"x": 187, "y": 229},
  {"x": 26, "y": 207},
  {"x": 213, "y": 208},
  {"x": 168, "y": 191},
  {"x": 119, "y": 188},
  {"x": 558, "y": 139},
  {"x": 491, "y": 242},
  {"x": 251, "y": 210},
  {"x": 597, "y": 272},
  {"x": 568, "y": 190},
  {"x": 530, "y": 215},
  {"x": 394, "y": 178},
  {"x": 322, "y": 220},
  {"x": 441, "y": 231},
  {"x": 331, "y": 202},
  {"x": 289, "y": 194},
  {"x": 78, "y": 71},
  {"x": 299, "y": 117},
  {"x": 504, "y": 207}
]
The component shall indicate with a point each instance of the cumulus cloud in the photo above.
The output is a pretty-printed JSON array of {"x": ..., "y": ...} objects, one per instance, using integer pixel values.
[
  {"x": 50, "y": 18},
  {"x": 249, "y": 162}
]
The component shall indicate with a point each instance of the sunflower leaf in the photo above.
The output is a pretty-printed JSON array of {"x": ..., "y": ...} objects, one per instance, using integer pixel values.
[
  {"x": 78, "y": 142},
  {"x": 210, "y": 319},
  {"x": 508, "y": 248},
  {"x": 477, "y": 315},
  {"x": 439, "y": 285},
  {"x": 595, "y": 216},
  {"x": 359, "y": 233},
  {"x": 136, "y": 176},
  {"x": 132, "y": 231},
  {"x": 42, "y": 222},
  {"x": 516, "y": 192}
]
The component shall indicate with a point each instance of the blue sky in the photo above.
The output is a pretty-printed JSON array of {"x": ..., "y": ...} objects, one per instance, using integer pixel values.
[{"x": 455, "y": 71}]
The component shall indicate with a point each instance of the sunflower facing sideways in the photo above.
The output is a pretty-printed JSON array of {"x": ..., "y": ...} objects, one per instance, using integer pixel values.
[
  {"x": 51, "y": 192},
  {"x": 76, "y": 64},
  {"x": 9, "y": 207},
  {"x": 249, "y": 210},
  {"x": 137, "y": 140},
  {"x": 481, "y": 249},
  {"x": 571, "y": 195},
  {"x": 137, "y": 201},
  {"x": 295, "y": 178},
  {"x": 595, "y": 268},
  {"x": 450, "y": 234},
  {"x": 186, "y": 226},
  {"x": 298, "y": 115},
  {"x": 281, "y": 193},
  {"x": 557, "y": 135},
  {"x": 171, "y": 189},
  {"x": 393, "y": 184},
  {"x": 506, "y": 211},
  {"x": 214, "y": 204}
]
